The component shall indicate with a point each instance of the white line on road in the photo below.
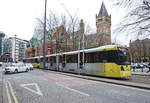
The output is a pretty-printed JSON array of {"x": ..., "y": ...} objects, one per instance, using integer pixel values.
[
  {"x": 37, "y": 91},
  {"x": 72, "y": 89},
  {"x": 67, "y": 78}
]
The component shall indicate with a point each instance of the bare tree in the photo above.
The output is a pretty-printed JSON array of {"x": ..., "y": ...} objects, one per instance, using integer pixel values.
[
  {"x": 73, "y": 28},
  {"x": 53, "y": 23},
  {"x": 137, "y": 18}
]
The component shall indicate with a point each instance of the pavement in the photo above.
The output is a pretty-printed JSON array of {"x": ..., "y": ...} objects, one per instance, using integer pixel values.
[{"x": 108, "y": 80}]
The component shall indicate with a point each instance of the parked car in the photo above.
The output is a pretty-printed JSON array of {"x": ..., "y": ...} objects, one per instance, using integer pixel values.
[
  {"x": 29, "y": 66},
  {"x": 145, "y": 64},
  {"x": 1, "y": 63},
  {"x": 141, "y": 65},
  {"x": 137, "y": 65},
  {"x": 15, "y": 68}
]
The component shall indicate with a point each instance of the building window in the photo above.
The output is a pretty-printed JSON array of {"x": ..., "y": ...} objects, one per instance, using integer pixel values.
[
  {"x": 61, "y": 36},
  {"x": 106, "y": 19},
  {"x": 100, "y": 20}
]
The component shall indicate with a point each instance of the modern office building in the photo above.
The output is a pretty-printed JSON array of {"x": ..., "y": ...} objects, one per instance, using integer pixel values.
[
  {"x": 2, "y": 35},
  {"x": 15, "y": 47}
]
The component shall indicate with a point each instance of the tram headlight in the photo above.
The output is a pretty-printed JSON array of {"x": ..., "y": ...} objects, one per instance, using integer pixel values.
[{"x": 122, "y": 69}]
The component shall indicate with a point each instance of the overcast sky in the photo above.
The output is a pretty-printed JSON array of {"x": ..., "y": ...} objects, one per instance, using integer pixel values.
[{"x": 19, "y": 16}]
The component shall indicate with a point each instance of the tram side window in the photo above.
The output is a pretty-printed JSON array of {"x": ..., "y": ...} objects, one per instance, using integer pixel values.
[
  {"x": 75, "y": 58},
  {"x": 103, "y": 56},
  {"x": 96, "y": 57},
  {"x": 108, "y": 56},
  {"x": 71, "y": 58},
  {"x": 41, "y": 59},
  {"x": 92, "y": 57},
  {"x": 87, "y": 58},
  {"x": 68, "y": 58},
  {"x": 46, "y": 60},
  {"x": 36, "y": 61},
  {"x": 112, "y": 56}
]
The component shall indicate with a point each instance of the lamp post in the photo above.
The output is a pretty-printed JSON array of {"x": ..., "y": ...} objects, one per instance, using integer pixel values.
[
  {"x": 57, "y": 57},
  {"x": 15, "y": 49},
  {"x": 44, "y": 41}
]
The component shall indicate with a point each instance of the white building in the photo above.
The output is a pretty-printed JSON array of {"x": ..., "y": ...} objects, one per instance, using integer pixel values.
[{"x": 16, "y": 47}]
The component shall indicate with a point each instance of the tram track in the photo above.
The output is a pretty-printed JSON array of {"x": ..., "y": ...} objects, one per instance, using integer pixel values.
[{"x": 130, "y": 82}]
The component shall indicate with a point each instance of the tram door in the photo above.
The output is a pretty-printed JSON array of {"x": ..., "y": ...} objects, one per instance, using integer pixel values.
[
  {"x": 81, "y": 60},
  {"x": 60, "y": 63},
  {"x": 63, "y": 61}
]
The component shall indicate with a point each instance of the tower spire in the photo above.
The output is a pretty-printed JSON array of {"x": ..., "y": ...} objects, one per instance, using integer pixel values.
[{"x": 103, "y": 10}]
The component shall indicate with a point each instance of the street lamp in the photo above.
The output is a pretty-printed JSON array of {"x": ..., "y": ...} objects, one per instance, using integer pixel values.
[
  {"x": 15, "y": 49},
  {"x": 57, "y": 57},
  {"x": 44, "y": 41}
]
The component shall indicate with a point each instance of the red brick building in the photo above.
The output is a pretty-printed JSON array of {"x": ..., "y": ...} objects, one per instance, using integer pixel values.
[
  {"x": 140, "y": 50},
  {"x": 29, "y": 52},
  {"x": 60, "y": 42}
]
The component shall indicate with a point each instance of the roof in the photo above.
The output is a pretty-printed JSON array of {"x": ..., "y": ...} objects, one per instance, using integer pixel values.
[{"x": 103, "y": 10}]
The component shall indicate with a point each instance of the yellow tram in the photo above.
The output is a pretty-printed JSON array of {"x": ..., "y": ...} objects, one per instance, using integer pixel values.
[{"x": 106, "y": 61}]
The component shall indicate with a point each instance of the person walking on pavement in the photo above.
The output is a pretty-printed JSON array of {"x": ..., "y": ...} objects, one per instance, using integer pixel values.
[{"x": 148, "y": 67}]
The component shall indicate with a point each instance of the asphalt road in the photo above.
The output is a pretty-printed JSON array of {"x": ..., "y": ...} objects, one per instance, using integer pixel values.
[{"x": 39, "y": 86}]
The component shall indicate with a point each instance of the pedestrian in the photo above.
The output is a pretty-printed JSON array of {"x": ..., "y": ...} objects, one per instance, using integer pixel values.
[{"x": 148, "y": 67}]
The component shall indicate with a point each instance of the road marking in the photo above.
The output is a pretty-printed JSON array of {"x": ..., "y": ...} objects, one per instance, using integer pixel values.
[
  {"x": 12, "y": 92},
  {"x": 9, "y": 86},
  {"x": 72, "y": 89},
  {"x": 67, "y": 78},
  {"x": 38, "y": 91},
  {"x": 7, "y": 91}
]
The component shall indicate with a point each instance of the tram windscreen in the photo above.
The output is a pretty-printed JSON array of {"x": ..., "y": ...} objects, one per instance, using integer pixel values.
[{"x": 123, "y": 57}]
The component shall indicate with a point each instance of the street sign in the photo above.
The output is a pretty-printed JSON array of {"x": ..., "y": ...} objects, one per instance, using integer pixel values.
[
  {"x": 7, "y": 54},
  {"x": 48, "y": 48}
]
